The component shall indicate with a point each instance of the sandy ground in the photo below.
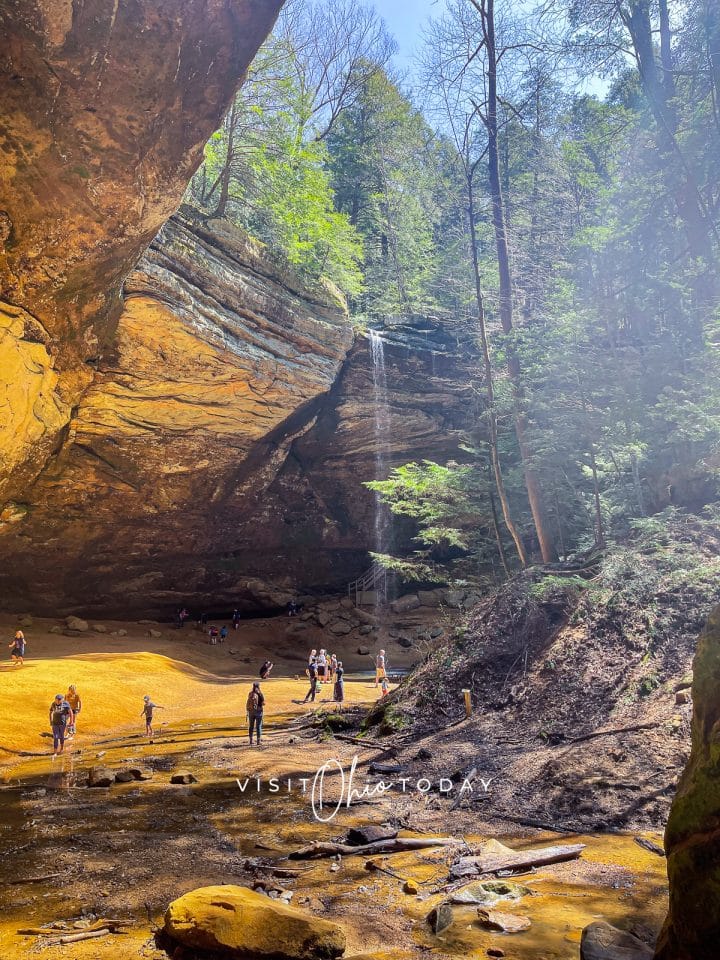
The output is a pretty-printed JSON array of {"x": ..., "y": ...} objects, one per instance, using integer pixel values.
[
  {"x": 69, "y": 852},
  {"x": 180, "y": 670}
]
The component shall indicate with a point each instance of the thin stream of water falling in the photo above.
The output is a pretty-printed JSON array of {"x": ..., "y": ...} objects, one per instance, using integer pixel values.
[{"x": 383, "y": 517}]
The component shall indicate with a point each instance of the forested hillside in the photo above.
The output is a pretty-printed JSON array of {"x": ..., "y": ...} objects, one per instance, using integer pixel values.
[{"x": 545, "y": 184}]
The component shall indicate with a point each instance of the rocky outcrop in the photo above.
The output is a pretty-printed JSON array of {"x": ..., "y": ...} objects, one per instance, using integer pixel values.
[
  {"x": 218, "y": 456},
  {"x": 105, "y": 107},
  {"x": 218, "y": 364},
  {"x": 692, "y": 837},
  {"x": 241, "y": 923}
]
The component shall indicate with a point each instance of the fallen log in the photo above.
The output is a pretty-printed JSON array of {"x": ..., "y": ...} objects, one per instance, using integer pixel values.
[
  {"x": 56, "y": 929},
  {"x": 650, "y": 845},
  {"x": 77, "y": 937},
  {"x": 495, "y": 857},
  {"x": 40, "y": 879},
  {"x": 398, "y": 844}
]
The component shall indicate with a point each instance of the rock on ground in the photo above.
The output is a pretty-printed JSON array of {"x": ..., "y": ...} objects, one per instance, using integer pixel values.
[
  {"x": 241, "y": 923},
  {"x": 601, "y": 941}
]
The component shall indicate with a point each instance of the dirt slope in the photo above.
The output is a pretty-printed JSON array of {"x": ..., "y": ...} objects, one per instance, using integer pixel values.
[{"x": 578, "y": 716}]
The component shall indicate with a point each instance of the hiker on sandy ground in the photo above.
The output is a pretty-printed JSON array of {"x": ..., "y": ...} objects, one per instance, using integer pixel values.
[
  {"x": 73, "y": 698},
  {"x": 254, "y": 706},
  {"x": 384, "y": 687},
  {"x": 312, "y": 673},
  {"x": 181, "y": 617},
  {"x": 60, "y": 716},
  {"x": 311, "y": 659},
  {"x": 265, "y": 669},
  {"x": 147, "y": 712},
  {"x": 213, "y": 634},
  {"x": 339, "y": 688},
  {"x": 17, "y": 647},
  {"x": 380, "y": 673},
  {"x": 292, "y": 608},
  {"x": 236, "y": 618},
  {"x": 223, "y": 633},
  {"x": 333, "y": 664}
]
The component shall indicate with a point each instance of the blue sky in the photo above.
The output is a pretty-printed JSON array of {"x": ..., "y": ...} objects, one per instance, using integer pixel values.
[{"x": 405, "y": 19}]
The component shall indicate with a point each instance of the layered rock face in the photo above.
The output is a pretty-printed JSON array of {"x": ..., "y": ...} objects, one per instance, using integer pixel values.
[
  {"x": 217, "y": 363},
  {"x": 219, "y": 454},
  {"x": 105, "y": 108},
  {"x": 692, "y": 838}
]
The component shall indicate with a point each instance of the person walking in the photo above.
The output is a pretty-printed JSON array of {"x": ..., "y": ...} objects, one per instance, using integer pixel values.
[
  {"x": 147, "y": 712},
  {"x": 223, "y": 633},
  {"x": 380, "y": 672},
  {"x": 255, "y": 706},
  {"x": 312, "y": 674},
  {"x": 333, "y": 667},
  {"x": 17, "y": 648},
  {"x": 339, "y": 688},
  {"x": 73, "y": 698},
  {"x": 60, "y": 717},
  {"x": 265, "y": 669},
  {"x": 236, "y": 618}
]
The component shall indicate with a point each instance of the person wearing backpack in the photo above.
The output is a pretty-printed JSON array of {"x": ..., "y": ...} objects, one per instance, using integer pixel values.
[
  {"x": 254, "y": 706},
  {"x": 60, "y": 716}
]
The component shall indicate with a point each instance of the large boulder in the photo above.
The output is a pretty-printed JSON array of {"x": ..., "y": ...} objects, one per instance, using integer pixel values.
[
  {"x": 405, "y": 604},
  {"x": 238, "y": 922},
  {"x": 601, "y": 941},
  {"x": 692, "y": 837}
]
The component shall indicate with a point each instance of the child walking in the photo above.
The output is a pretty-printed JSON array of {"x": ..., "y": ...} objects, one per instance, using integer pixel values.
[
  {"x": 147, "y": 712},
  {"x": 17, "y": 647}
]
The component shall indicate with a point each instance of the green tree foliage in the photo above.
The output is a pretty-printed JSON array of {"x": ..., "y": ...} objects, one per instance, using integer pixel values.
[{"x": 385, "y": 168}]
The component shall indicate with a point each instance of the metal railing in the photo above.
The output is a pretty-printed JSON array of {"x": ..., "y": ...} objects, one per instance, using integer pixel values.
[{"x": 375, "y": 579}]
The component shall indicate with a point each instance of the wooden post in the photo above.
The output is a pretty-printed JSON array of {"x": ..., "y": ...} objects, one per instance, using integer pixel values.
[{"x": 468, "y": 704}]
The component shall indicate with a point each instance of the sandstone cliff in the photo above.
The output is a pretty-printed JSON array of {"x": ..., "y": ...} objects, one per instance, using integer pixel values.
[
  {"x": 219, "y": 452},
  {"x": 105, "y": 108}
]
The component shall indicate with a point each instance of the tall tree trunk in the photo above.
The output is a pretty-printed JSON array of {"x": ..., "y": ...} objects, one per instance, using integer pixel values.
[
  {"x": 226, "y": 173},
  {"x": 498, "y": 535},
  {"x": 489, "y": 384},
  {"x": 532, "y": 484},
  {"x": 679, "y": 177},
  {"x": 711, "y": 24}
]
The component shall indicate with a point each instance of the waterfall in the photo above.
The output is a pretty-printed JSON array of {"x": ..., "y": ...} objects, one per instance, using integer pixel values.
[{"x": 383, "y": 517}]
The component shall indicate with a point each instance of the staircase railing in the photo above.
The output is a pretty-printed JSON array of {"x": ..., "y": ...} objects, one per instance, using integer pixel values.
[{"x": 374, "y": 579}]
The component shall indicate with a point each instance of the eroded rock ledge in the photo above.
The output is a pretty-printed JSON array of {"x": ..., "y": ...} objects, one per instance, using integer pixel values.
[
  {"x": 219, "y": 453},
  {"x": 105, "y": 108}
]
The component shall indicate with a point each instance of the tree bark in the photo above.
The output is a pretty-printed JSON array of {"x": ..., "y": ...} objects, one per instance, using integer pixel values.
[
  {"x": 679, "y": 177},
  {"x": 532, "y": 484},
  {"x": 489, "y": 383},
  {"x": 226, "y": 173}
]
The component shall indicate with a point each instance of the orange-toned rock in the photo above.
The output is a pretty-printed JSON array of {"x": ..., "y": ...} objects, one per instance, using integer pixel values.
[
  {"x": 105, "y": 107},
  {"x": 243, "y": 924}
]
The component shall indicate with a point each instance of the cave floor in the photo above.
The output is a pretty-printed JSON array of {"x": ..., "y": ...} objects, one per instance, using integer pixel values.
[{"x": 127, "y": 850}]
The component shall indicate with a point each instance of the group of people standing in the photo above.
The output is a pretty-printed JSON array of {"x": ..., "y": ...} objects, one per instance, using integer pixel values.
[{"x": 324, "y": 668}]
